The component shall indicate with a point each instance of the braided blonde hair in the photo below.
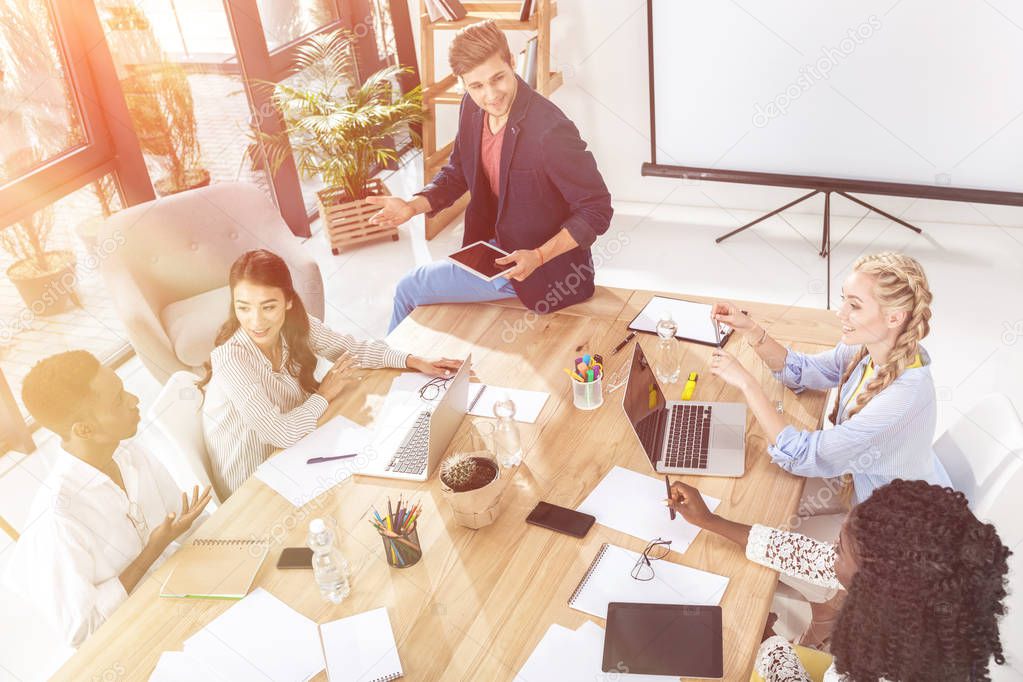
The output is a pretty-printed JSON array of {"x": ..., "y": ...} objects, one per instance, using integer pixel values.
[{"x": 899, "y": 284}]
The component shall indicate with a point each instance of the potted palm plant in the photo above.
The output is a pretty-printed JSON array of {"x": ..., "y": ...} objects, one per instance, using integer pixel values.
[
  {"x": 160, "y": 103},
  {"x": 158, "y": 96},
  {"x": 45, "y": 279},
  {"x": 340, "y": 132}
]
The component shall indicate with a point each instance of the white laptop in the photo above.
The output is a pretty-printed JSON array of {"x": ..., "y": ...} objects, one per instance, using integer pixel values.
[
  {"x": 684, "y": 437},
  {"x": 412, "y": 433}
]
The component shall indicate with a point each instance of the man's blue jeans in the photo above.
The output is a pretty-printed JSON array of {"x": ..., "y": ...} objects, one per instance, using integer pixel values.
[{"x": 444, "y": 282}]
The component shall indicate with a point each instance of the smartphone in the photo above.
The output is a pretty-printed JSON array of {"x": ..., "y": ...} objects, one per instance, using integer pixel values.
[
  {"x": 567, "y": 521},
  {"x": 295, "y": 557}
]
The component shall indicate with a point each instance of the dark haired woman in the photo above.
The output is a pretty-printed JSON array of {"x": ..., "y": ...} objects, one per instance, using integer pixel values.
[
  {"x": 261, "y": 394},
  {"x": 925, "y": 582}
]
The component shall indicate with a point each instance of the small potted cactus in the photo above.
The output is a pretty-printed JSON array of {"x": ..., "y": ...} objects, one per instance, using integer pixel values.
[{"x": 470, "y": 481}]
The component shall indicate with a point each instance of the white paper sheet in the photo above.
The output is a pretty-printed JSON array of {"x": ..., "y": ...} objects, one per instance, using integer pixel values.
[
  {"x": 692, "y": 319},
  {"x": 177, "y": 666},
  {"x": 672, "y": 584},
  {"x": 298, "y": 482},
  {"x": 361, "y": 648},
  {"x": 633, "y": 503},
  {"x": 574, "y": 656},
  {"x": 259, "y": 639},
  {"x": 528, "y": 404}
]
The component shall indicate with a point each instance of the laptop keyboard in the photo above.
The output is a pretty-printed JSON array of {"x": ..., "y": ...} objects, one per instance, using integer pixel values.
[
  {"x": 688, "y": 437},
  {"x": 411, "y": 455}
]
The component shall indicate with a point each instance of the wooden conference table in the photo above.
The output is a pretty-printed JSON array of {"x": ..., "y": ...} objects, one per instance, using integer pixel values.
[{"x": 478, "y": 602}]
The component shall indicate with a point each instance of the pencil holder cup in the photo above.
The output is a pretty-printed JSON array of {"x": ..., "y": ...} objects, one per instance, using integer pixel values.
[
  {"x": 403, "y": 550},
  {"x": 587, "y": 395}
]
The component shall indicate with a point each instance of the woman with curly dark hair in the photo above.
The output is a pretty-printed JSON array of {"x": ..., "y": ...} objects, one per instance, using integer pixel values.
[{"x": 925, "y": 582}]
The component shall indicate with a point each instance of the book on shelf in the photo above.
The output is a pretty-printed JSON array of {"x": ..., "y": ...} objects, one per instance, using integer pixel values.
[
  {"x": 433, "y": 10},
  {"x": 530, "y": 66},
  {"x": 453, "y": 9},
  {"x": 526, "y": 10}
]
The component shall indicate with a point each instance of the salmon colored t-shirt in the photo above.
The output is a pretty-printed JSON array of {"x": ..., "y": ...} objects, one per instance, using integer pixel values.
[{"x": 490, "y": 155}]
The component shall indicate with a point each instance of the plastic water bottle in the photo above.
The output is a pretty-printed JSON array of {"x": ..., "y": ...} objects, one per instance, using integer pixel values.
[
  {"x": 507, "y": 443},
  {"x": 330, "y": 570},
  {"x": 666, "y": 363}
]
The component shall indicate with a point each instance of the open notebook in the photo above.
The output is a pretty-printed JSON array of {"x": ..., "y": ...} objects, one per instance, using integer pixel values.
[
  {"x": 609, "y": 579},
  {"x": 215, "y": 569},
  {"x": 361, "y": 648}
]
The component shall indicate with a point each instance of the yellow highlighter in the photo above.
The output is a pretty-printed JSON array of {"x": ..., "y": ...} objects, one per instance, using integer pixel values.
[{"x": 687, "y": 391}]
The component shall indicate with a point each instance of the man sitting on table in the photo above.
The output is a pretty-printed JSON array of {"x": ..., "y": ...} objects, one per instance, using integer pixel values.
[
  {"x": 536, "y": 191},
  {"x": 107, "y": 512}
]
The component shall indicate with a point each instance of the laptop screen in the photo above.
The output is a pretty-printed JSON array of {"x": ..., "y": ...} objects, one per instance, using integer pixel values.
[{"x": 643, "y": 401}]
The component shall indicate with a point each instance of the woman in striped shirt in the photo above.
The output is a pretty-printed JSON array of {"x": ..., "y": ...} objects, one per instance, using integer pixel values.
[
  {"x": 885, "y": 412},
  {"x": 261, "y": 394}
]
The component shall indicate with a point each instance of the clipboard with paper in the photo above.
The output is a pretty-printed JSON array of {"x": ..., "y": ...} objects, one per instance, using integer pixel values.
[{"x": 692, "y": 320}]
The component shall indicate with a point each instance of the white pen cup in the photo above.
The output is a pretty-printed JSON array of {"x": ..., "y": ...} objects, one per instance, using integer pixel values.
[{"x": 587, "y": 395}]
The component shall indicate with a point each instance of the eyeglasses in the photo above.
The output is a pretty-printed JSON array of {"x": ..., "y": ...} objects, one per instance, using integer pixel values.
[
  {"x": 434, "y": 387},
  {"x": 655, "y": 549}
]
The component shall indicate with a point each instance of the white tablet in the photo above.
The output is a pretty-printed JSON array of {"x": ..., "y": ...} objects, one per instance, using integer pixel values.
[{"x": 479, "y": 259}]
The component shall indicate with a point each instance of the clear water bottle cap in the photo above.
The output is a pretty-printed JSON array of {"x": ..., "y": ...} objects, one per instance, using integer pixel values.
[
  {"x": 505, "y": 407},
  {"x": 317, "y": 526},
  {"x": 666, "y": 327}
]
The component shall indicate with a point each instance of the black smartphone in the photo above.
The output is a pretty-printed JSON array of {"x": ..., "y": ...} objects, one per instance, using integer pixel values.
[
  {"x": 567, "y": 521},
  {"x": 295, "y": 557}
]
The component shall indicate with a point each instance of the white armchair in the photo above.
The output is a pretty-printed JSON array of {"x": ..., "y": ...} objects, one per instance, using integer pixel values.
[{"x": 166, "y": 264}]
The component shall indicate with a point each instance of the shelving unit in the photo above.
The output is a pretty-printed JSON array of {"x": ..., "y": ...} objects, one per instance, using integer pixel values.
[{"x": 445, "y": 91}]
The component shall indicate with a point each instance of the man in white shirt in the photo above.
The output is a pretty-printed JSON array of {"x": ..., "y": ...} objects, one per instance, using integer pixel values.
[{"x": 107, "y": 512}]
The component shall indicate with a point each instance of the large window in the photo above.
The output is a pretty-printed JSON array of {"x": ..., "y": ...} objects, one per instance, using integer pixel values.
[
  {"x": 287, "y": 20},
  {"x": 39, "y": 116},
  {"x": 107, "y": 103}
]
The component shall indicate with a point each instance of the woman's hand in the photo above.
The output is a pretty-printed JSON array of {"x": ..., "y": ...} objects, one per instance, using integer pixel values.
[
  {"x": 444, "y": 367},
  {"x": 687, "y": 501},
  {"x": 729, "y": 313},
  {"x": 336, "y": 377},
  {"x": 723, "y": 364}
]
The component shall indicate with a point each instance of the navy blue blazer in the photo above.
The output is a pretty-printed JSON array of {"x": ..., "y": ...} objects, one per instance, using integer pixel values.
[{"x": 548, "y": 181}]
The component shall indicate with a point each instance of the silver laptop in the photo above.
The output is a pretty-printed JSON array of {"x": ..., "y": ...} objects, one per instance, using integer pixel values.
[
  {"x": 684, "y": 437},
  {"x": 412, "y": 433}
]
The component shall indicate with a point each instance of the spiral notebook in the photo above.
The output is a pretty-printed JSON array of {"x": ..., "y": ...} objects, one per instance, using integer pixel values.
[
  {"x": 609, "y": 579},
  {"x": 215, "y": 569},
  {"x": 361, "y": 648}
]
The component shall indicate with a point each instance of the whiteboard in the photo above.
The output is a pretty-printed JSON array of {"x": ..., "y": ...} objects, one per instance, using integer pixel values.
[{"x": 905, "y": 91}]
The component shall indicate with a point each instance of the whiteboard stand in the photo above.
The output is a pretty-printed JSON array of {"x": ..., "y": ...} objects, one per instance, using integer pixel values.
[{"x": 825, "y": 251}]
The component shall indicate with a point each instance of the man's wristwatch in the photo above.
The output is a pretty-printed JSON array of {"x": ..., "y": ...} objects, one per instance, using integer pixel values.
[{"x": 763, "y": 337}]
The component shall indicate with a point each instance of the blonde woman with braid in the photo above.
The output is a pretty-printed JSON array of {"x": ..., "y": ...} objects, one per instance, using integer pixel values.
[{"x": 885, "y": 412}]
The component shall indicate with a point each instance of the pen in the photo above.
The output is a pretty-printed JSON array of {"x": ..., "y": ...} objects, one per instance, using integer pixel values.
[
  {"x": 671, "y": 510},
  {"x": 483, "y": 387},
  {"x": 624, "y": 342},
  {"x": 317, "y": 460}
]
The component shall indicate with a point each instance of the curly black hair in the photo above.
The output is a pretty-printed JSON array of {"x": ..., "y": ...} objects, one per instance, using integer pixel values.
[{"x": 926, "y": 597}]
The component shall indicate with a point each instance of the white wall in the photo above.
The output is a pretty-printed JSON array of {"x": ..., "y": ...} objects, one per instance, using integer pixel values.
[{"x": 601, "y": 45}]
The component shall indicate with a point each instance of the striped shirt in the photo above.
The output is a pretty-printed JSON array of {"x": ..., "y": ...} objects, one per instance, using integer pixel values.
[
  {"x": 889, "y": 438},
  {"x": 250, "y": 410}
]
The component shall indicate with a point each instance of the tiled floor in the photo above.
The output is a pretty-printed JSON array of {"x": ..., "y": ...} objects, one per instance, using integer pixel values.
[{"x": 975, "y": 344}]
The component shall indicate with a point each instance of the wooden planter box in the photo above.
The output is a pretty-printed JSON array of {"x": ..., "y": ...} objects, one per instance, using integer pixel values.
[{"x": 346, "y": 223}]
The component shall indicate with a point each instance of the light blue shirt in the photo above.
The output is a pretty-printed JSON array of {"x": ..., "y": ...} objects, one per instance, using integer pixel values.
[{"x": 889, "y": 438}]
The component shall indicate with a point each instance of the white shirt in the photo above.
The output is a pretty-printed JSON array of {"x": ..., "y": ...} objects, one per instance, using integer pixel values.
[
  {"x": 250, "y": 410},
  {"x": 85, "y": 533}
]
